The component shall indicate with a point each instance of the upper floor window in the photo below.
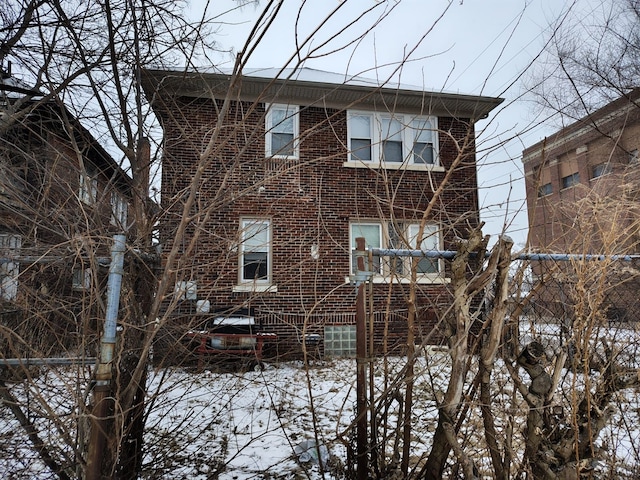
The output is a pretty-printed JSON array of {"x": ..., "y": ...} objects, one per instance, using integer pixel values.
[
  {"x": 282, "y": 130},
  {"x": 570, "y": 180},
  {"x": 392, "y": 139},
  {"x": 397, "y": 236},
  {"x": 601, "y": 169},
  {"x": 88, "y": 191},
  {"x": 255, "y": 251},
  {"x": 544, "y": 190},
  {"x": 119, "y": 210}
]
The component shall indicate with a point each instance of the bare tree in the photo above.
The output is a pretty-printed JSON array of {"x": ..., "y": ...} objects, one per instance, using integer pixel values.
[{"x": 87, "y": 64}]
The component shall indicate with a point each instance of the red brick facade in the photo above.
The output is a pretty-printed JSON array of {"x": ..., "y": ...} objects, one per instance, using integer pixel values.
[
  {"x": 310, "y": 202},
  {"x": 52, "y": 236},
  {"x": 582, "y": 197}
]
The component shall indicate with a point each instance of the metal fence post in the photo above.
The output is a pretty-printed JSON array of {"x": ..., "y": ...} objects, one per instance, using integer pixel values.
[
  {"x": 361, "y": 360},
  {"x": 102, "y": 389}
]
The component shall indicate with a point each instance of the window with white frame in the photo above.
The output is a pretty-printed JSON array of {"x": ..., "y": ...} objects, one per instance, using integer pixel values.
[
  {"x": 372, "y": 234},
  {"x": 398, "y": 236},
  {"x": 392, "y": 139},
  {"x": 81, "y": 280},
  {"x": 9, "y": 267},
  {"x": 88, "y": 191},
  {"x": 281, "y": 127},
  {"x": 255, "y": 251},
  {"x": 428, "y": 240},
  {"x": 119, "y": 210}
]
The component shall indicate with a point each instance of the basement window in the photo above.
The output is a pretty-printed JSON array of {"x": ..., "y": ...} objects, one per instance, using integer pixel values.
[{"x": 340, "y": 340}]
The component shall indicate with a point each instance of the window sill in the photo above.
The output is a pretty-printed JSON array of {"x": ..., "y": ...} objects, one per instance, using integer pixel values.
[
  {"x": 394, "y": 166},
  {"x": 421, "y": 280},
  {"x": 255, "y": 287}
]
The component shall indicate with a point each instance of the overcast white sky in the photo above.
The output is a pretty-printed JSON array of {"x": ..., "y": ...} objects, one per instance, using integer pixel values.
[{"x": 478, "y": 47}]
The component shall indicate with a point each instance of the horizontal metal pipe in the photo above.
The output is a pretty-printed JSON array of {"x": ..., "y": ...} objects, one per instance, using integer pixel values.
[
  {"x": 16, "y": 362},
  {"x": 449, "y": 254}
]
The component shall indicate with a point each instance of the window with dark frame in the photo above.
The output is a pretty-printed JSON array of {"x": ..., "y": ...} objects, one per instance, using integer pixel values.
[
  {"x": 544, "y": 190},
  {"x": 600, "y": 170},
  {"x": 571, "y": 180}
]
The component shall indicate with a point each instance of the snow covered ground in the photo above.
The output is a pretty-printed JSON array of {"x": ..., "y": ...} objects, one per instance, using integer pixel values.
[{"x": 260, "y": 424}]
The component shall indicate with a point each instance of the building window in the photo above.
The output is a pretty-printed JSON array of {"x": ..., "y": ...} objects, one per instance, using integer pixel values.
[
  {"x": 429, "y": 241},
  {"x": 424, "y": 136},
  {"x": 88, "y": 192},
  {"x": 601, "y": 169},
  {"x": 391, "y": 136},
  {"x": 9, "y": 267},
  {"x": 255, "y": 251},
  {"x": 394, "y": 140},
  {"x": 81, "y": 280},
  {"x": 340, "y": 340},
  {"x": 372, "y": 234},
  {"x": 570, "y": 180},
  {"x": 360, "y": 137},
  {"x": 397, "y": 236},
  {"x": 544, "y": 190},
  {"x": 282, "y": 126},
  {"x": 119, "y": 209}
]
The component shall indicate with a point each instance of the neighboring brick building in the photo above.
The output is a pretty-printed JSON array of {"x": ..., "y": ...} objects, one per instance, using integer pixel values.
[
  {"x": 290, "y": 175},
  {"x": 62, "y": 197},
  {"x": 582, "y": 186}
]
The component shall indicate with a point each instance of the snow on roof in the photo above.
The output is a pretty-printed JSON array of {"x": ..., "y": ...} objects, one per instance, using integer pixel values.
[{"x": 305, "y": 74}]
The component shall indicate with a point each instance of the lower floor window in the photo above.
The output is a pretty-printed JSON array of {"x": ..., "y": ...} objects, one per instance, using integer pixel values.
[
  {"x": 9, "y": 270},
  {"x": 255, "y": 251},
  {"x": 340, "y": 340},
  {"x": 394, "y": 235}
]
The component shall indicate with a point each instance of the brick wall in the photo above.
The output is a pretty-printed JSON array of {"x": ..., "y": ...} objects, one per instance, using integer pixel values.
[{"x": 309, "y": 201}]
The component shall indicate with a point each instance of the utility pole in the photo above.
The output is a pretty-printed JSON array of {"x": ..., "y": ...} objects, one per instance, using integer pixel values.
[{"x": 102, "y": 390}]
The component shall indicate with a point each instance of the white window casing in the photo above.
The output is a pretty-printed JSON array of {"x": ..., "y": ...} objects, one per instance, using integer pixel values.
[
  {"x": 255, "y": 255},
  {"x": 392, "y": 141},
  {"x": 282, "y": 126},
  {"x": 81, "y": 280},
  {"x": 389, "y": 235},
  {"x": 9, "y": 266},
  {"x": 88, "y": 190},
  {"x": 119, "y": 210}
]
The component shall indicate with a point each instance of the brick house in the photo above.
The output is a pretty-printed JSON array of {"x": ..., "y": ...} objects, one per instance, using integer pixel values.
[
  {"x": 62, "y": 197},
  {"x": 289, "y": 172},
  {"x": 582, "y": 190}
]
